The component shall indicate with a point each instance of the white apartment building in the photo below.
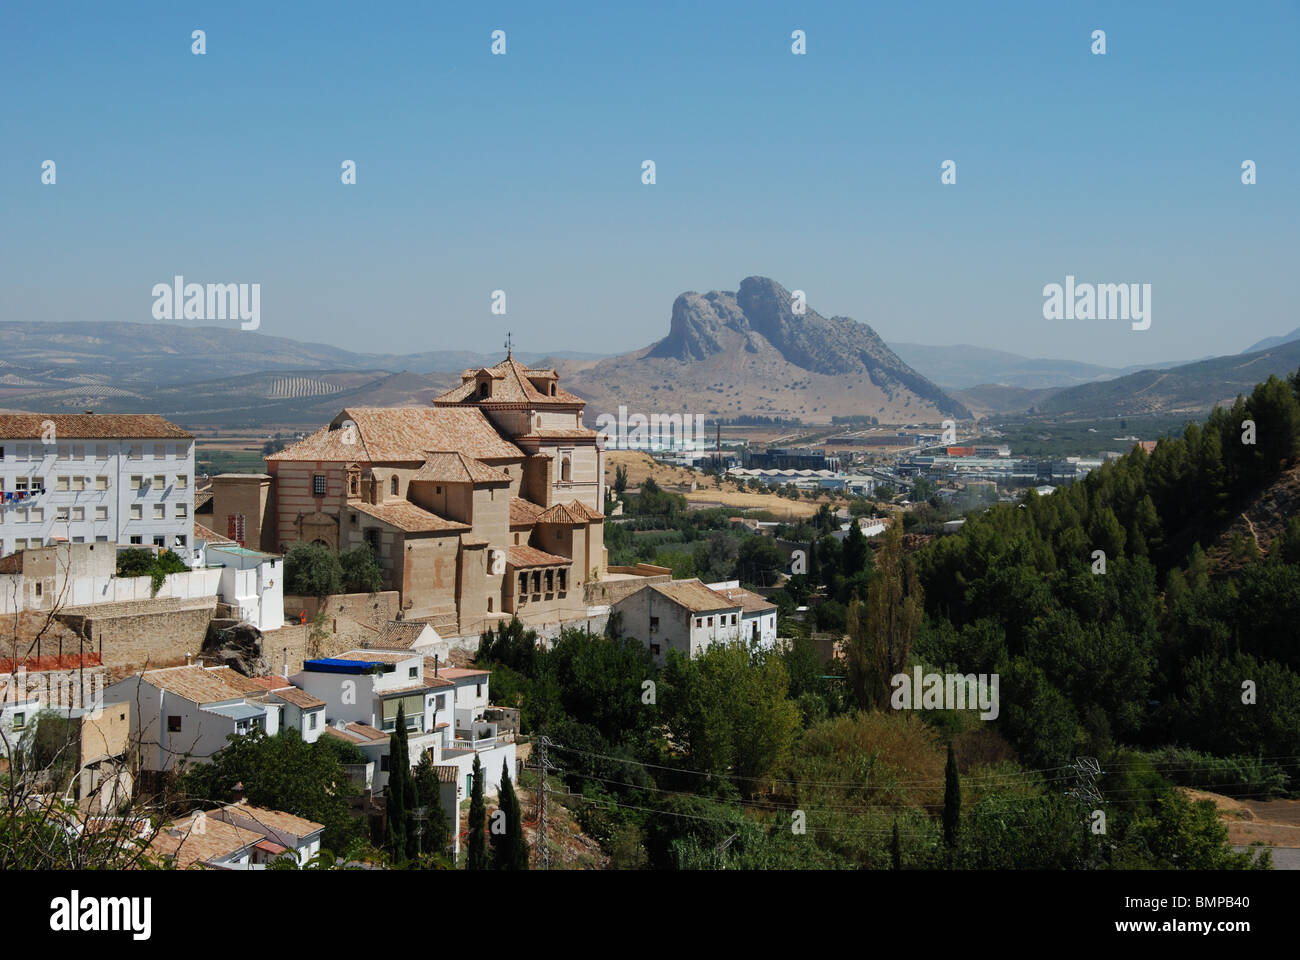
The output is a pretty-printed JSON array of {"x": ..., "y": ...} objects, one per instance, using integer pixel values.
[{"x": 95, "y": 478}]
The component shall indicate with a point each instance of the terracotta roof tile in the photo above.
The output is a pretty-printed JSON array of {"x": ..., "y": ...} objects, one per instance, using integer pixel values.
[
  {"x": 366, "y": 731},
  {"x": 406, "y": 516},
  {"x": 458, "y": 468},
  {"x": 510, "y": 385},
  {"x": 523, "y": 513},
  {"x": 749, "y": 601},
  {"x": 694, "y": 596},
  {"x": 402, "y": 634},
  {"x": 448, "y": 773},
  {"x": 182, "y": 841},
  {"x": 460, "y": 673},
  {"x": 91, "y": 426},
  {"x": 402, "y": 434},
  {"x": 521, "y": 556},
  {"x": 209, "y": 536},
  {"x": 274, "y": 819},
  {"x": 194, "y": 683},
  {"x": 299, "y": 698},
  {"x": 561, "y": 514}
]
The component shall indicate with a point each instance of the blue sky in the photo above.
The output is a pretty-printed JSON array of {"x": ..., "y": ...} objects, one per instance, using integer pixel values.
[{"x": 522, "y": 172}]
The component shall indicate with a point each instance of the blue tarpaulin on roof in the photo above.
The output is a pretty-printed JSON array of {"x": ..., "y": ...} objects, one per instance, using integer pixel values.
[{"x": 334, "y": 665}]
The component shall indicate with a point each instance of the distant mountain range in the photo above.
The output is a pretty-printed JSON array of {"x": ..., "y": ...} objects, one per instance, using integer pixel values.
[
  {"x": 748, "y": 352},
  {"x": 1269, "y": 342},
  {"x": 725, "y": 355}
]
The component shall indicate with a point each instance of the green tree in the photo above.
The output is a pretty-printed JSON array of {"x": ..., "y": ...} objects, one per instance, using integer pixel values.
[
  {"x": 895, "y": 849},
  {"x": 434, "y": 833},
  {"x": 880, "y": 638},
  {"x": 476, "y": 856},
  {"x": 396, "y": 793},
  {"x": 509, "y": 846},
  {"x": 360, "y": 571},
  {"x": 312, "y": 570}
]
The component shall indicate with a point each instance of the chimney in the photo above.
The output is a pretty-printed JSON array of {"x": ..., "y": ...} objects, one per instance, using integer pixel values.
[
  {"x": 286, "y": 663},
  {"x": 187, "y": 659},
  {"x": 237, "y": 792},
  {"x": 435, "y": 665}
]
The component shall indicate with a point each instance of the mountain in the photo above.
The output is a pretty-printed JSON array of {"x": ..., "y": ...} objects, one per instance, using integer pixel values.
[
  {"x": 61, "y": 354},
  {"x": 1269, "y": 342},
  {"x": 964, "y": 366},
  {"x": 1191, "y": 389},
  {"x": 730, "y": 354}
]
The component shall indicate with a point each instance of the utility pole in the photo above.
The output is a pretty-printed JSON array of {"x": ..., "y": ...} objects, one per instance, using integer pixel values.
[{"x": 543, "y": 764}]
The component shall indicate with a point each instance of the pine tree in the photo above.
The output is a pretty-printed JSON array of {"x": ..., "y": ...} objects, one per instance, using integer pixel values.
[
  {"x": 895, "y": 850},
  {"x": 476, "y": 846},
  {"x": 951, "y": 800}
]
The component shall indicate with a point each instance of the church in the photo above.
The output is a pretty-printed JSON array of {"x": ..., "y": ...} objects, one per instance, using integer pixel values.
[{"x": 483, "y": 505}]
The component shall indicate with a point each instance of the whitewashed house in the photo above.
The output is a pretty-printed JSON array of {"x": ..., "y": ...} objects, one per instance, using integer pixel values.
[
  {"x": 757, "y": 613},
  {"x": 283, "y": 834},
  {"x": 252, "y": 583},
  {"x": 185, "y": 714},
  {"x": 683, "y": 615}
]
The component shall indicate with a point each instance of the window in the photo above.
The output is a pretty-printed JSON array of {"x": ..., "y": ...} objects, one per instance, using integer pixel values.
[
  {"x": 523, "y": 585},
  {"x": 566, "y": 470},
  {"x": 137, "y": 481},
  {"x": 19, "y": 720},
  {"x": 60, "y": 514},
  {"x": 550, "y": 580},
  {"x": 20, "y": 545},
  {"x": 21, "y": 515},
  {"x": 78, "y": 483},
  {"x": 160, "y": 451},
  {"x": 654, "y": 649},
  {"x": 101, "y": 513},
  {"x": 392, "y": 485},
  {"x": 182, "y": 481},
  {"x": 318, "y": 485},
  {"x": 478, "y": 691},
  {"x": 137, "y": 541},
  {"x": 78, "y": 451},
  {"x": 412, "y": 672},
  {"x": 708, "y": 622},
  {"x": 20, "y": 485},
  {"x": 160, "y": 541},
  {"x": 654, "y": 624},
  {"x": 699, "y": 621},
  {"x": 78, "y": 513},
  {"x": 40, "y": 588},
  {"x": 441, "y": 702},
  {"x": 38, "y": 514},
  {"x": 101, "y": 539},
  {"x": 160, "y": 511},
  {"x": 101, "y": 451},
  {"x": 136, "y": 452},
  {"x": 173, "y": 724},
  {"x": 78, "y": 539},
  {"x": 182, "y": 510},
  {"x": 383, "y": 763},
  {"x": 181, "y": 540},
  {"x": 137, "y": 511},
  {"x": 61, "y": 484},
  {"x": 159, "y": 480},
  {"x": 311, "y": 721},
  {"x": 101, "y": 483},
  {"x": 564, "y": 579},
  {"x": 38, "y": 484}
]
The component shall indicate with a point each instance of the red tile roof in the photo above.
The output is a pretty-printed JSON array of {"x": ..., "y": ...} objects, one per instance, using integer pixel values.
[
  {"x": 694, "y": 596},
  {"x": 407, "y": 517},
  {"x": 90, "y": 426},
  {"x": 402, "y": 434},
  {"x": 458, "y": 468},
  {"x": 521, "y": 556},
  {"x": 510, "y": 385},
  {"x": 523, "y": 513}
]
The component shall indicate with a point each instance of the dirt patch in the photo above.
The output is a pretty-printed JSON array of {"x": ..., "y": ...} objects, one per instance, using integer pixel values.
[{"x": 1275, "y": 823}]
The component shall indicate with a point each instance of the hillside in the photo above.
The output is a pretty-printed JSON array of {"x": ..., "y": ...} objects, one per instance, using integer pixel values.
[
  {"x": 747, "y": 352},
  {"x": 1190, "y": 389}
]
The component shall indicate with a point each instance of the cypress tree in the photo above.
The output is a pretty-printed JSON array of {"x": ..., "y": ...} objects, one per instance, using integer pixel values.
[
  {"x": 951, "y": 800},
  {"x": 396, "y": 793},
  {"x": 509, "y": 849},
  {"x": 433, "y": 831},
  {"x": 476, "y": 847},
  {"x": 895, "y": 850}
]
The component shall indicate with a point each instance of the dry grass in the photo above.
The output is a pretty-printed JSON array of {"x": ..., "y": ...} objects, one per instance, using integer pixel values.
[{"x": 1272, "y": 822}]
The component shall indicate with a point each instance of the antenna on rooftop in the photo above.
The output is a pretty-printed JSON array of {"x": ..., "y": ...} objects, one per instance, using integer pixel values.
[{"x": 509, "y": 345}]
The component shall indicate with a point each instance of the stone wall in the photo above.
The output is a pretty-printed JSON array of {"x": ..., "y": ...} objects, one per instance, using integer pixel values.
[{"x": 156, "y": 632}]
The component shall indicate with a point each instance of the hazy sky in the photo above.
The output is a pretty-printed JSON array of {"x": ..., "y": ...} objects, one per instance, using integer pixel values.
[{"x": 522, "y": 172}]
